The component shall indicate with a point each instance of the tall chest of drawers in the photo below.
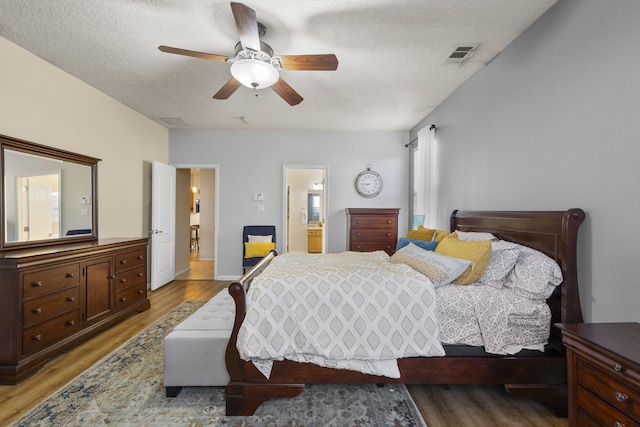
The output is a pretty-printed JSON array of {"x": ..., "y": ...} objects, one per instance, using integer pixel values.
[
  {"x": 370, "y": 229},
  {"x": 51, "y": 298},
  {"x": 603, "y": 366}
]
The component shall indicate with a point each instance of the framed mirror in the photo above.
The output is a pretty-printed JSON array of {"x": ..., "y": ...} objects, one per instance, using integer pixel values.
[{"x": 49, "y": 196}]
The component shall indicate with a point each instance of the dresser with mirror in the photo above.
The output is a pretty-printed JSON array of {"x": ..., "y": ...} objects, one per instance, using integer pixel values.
[{"x": 60, "y": 283}]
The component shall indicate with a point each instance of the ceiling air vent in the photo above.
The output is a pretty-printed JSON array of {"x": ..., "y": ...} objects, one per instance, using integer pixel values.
[
  {"x": 174, "y": 121},
  {"x": 462, "y": 53}
]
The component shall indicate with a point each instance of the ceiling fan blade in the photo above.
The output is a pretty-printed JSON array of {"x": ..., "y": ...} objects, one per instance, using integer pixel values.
[
  {"x": 193, "y": 53},
  {"x": 327, "y": 62},
  {"x": 286, "y": 92},
  {"x": 247, "y": 25},
  {"x": 227, "y": 90}
]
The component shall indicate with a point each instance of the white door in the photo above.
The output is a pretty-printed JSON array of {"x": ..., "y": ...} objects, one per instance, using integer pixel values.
[{"x": 163, "y": 224}]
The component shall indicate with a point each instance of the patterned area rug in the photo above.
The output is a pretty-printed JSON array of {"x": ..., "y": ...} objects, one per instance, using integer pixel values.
[{"x": 125, "y": 389}]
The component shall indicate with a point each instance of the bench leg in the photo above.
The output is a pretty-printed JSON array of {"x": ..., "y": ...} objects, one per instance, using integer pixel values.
[{"x": 172, "y": 391}]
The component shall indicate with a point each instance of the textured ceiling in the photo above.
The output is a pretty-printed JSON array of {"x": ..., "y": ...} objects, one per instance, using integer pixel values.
[{"x": 392, "y": 55}]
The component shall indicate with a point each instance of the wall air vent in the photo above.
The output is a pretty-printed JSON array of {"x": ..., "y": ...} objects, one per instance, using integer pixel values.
[{"x": 460, "y": 54}]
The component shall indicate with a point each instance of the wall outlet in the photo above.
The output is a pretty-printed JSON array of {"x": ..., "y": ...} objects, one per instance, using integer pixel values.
[
  {"x": 84, "y": 212},
  {"x": 260, "y": 208}
]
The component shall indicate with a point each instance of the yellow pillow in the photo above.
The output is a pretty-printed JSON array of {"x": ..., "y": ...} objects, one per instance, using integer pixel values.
[
  {"x": 478, "y": 252},
  {"x": 426, "y": 234},
  {"x": 257, "y": 249}
]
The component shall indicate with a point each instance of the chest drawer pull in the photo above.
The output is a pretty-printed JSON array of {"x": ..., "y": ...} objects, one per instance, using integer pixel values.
[
  {"x": 37, "y": 284},
  {"x": 140, "y": 291},
  {"x": 111, "y": 277},
  {"x": 617, "y": 367},
  {"x": 71, "y": 299},
  {"x": 70, "y": 275},
  {"x": 621, "y": 397},
  {"x": 124, "y": 261},
  {"x": 139, "y": 274},
  {"x": 618, "y": 424},
  {"x": 123, "y": 280},
  {"x": 37, "y": 310},
  {"x": 37, "y": 338},
  {"x": 123, "y": 299}
]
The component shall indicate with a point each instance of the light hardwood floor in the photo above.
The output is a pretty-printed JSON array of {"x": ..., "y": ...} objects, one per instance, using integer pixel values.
[{"x": 440, "y": 405}]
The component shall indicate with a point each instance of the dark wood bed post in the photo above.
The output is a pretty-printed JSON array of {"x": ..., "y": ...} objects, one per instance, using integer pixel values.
[{"x": 244, "y": 397}]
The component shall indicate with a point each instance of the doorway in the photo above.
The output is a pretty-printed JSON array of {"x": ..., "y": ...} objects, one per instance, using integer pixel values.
[
  {"x": 196, "y": 221},
  {"x": 305, "y": 208}
]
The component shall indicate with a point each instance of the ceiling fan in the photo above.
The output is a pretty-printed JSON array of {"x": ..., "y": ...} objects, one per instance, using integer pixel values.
[{"x": 254, "y": 64}]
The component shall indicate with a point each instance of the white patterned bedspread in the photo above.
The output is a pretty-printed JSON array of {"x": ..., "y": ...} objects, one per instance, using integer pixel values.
[
  {"x": 351, "y": 310},
  {"x": 501, "y": 320}
]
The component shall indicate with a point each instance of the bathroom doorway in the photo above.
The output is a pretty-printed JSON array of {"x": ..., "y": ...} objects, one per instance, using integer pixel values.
[{"x": 305, "y": 208}]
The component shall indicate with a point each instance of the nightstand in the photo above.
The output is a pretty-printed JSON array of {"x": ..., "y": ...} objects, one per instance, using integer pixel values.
[{"x": 603, "y": 368}]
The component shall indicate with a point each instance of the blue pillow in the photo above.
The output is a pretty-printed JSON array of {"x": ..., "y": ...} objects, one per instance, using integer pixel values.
[{"x": 427, "y": 246}]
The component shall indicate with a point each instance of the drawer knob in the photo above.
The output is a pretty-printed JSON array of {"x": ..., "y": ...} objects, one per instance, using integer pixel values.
[
  {"x": 37, "y": 310},
  {"x": 71, "y": 275},
  {"x": 37, "y": 338},
  {"x": 71, "y": 322},
  {"x": 388, "y": 234},
  {"x": 111, "y": 277},
  {"x": 388, "y": 221},
  {"x": 124, "y": 261},
  {"x": 71, "y": 299},
  {"x": 139, "y": 256},
  {"x": 618, "y": 424},
  {"x": 617, "y": 367},
  {"x": 37, "y": 284},
  {"x": 140, "y": 291},
  {"x": 123, "y": 299},
  {"x": 123, "y": 280},
  {"x": 139, "y": 274},
  {"x": 621, "y": 397}
]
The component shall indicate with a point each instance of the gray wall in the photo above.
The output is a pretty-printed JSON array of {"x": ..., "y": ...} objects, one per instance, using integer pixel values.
[
  {"x": 552, "y": 123},
  {"x": 253, "y": 161}
]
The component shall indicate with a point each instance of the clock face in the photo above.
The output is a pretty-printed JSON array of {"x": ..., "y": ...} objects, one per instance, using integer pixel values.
[{"x": 369, "y": 183}]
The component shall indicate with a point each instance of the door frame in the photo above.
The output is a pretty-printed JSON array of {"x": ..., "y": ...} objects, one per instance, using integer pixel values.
[
  {"x": 285, "y": 203},
  {"x": 216, "y": 205}
]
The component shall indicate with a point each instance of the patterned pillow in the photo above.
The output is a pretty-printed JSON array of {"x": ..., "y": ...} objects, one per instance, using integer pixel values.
[
  {"x": 440, "y": 269},
  {"x": 535, "y": 275},
  {"x": 473, "y": 235},
  {"x": 504, "y": 256},
  {"x": 259, "y": 239}
]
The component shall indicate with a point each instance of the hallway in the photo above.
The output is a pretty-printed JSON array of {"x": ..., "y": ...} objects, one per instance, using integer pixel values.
[{"x": 198, "y": 270}]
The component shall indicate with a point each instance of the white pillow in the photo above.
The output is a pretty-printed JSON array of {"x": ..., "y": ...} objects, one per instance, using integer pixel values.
[
  {"x": 473, "y": 235},
  {"x": 260, "y": 239},
  {"x": 535, "y": 275},
  {"x": 440, "y": 269},
  {"x": 504, "y": 256}
]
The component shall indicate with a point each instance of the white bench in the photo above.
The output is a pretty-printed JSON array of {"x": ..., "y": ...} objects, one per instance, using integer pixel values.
[{"x": 194, "y": 352}]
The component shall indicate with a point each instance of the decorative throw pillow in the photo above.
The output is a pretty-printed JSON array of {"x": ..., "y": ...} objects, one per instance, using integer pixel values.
[
  {"x": 535, "y": 275},
  {"x": 504, "y": 256},
  {"x": 477, "y": 252},
  {"x": 258, "y": 249},
  {"x": 427, "y": 246},
  {"x": 440, "y": 269},
  {"x": 258, "y": 239},
  {"x": 427, "y": 234},
  {"x": 474, "y": 235}
]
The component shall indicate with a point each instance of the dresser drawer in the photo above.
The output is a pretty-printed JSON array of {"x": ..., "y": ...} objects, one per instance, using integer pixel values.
[
  {"x": 132, "y": 277},
  {"x": 42, "y": 282},
  {"x": 47, "y": 307},
  {"x": 374, "y": 221},
  {"x": 43, "y": 335},
  {"x": 376, "y": 235},
  {"x": 372, "y": 246},
  {"x": 130, "y": 259},
  {"x": 617, "y": 393},
  {"x": 130, "y": 296},
  {"x": 594, "y": 411}
]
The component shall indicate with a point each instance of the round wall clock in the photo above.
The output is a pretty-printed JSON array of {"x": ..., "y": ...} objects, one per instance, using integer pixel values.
[{"x": 368, "y": 183}]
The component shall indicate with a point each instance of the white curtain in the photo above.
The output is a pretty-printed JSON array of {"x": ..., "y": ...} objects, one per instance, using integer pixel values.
[{"x": 426, "y": 176}]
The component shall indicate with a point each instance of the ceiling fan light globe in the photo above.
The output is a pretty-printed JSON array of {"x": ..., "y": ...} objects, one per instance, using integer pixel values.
[{"x": 254, "y": 73}]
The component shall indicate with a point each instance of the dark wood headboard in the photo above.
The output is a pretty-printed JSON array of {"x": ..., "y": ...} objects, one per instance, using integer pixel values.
[{"x": 553, "y": 233}]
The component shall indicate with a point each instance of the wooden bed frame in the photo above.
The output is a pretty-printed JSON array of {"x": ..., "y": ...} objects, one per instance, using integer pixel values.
[{"x": 531, "y": 374}]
